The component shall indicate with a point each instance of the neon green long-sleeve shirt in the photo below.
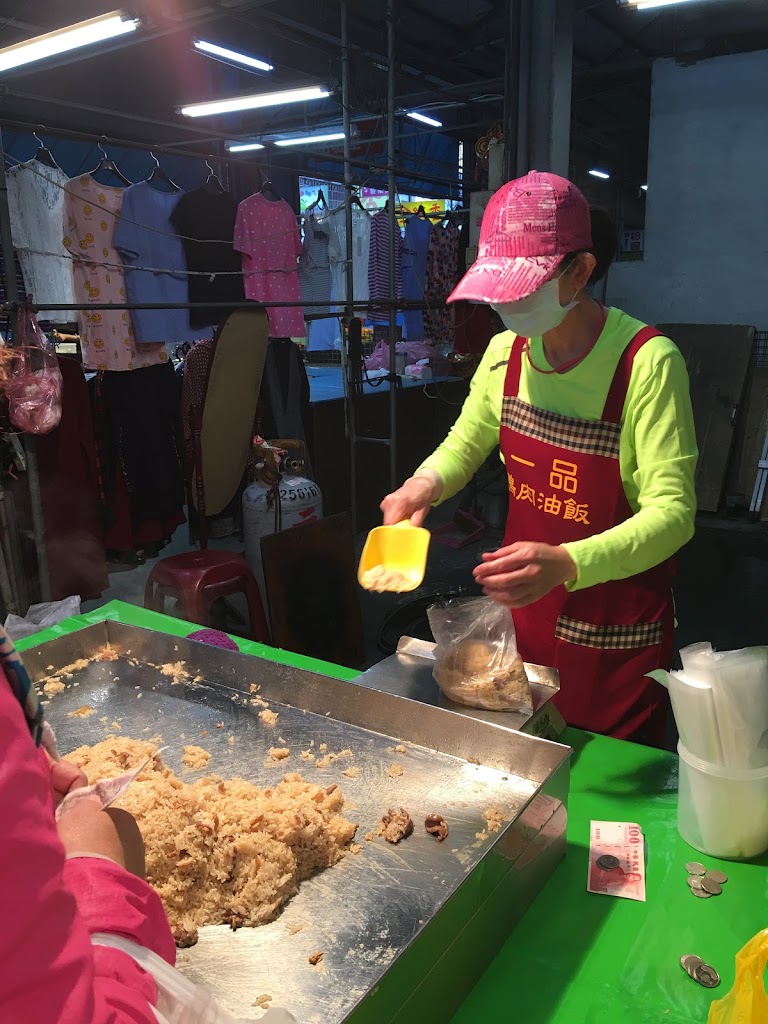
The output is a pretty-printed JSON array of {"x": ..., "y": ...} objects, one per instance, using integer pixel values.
[{"x": 657, "y": 454}]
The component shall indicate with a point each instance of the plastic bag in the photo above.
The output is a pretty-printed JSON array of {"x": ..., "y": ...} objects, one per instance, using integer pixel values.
[
  {"x": 477, "y": 663},
  {"x": 41, "y": 616},
  {"x": 35, "y": 384},
  {"x": 747, "y": 1000},
  {"x": 180, "y": 1001},
  {"x": 410, "y": 351}
]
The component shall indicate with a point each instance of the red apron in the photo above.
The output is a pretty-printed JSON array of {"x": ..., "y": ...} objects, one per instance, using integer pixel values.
[{"x": 564, "y": 485}]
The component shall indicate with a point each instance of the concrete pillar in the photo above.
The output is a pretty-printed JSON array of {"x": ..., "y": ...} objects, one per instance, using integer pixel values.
[{"x": 539, "y": 69}]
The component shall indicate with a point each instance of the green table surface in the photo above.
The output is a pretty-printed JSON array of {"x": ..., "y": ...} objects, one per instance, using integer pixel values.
[{"x": 578, "y": 957}]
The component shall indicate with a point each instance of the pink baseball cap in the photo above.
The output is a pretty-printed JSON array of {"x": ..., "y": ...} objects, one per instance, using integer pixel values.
[{"x": 529, "y": 225}]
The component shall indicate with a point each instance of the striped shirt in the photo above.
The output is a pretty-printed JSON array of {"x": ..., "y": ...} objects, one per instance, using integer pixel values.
[{"x": 378, "y": 266}]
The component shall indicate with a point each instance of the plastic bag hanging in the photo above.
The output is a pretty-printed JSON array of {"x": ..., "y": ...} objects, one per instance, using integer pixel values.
[
  {"x": 35, "y": 384},
  {"x": 747, "y": 1002}
]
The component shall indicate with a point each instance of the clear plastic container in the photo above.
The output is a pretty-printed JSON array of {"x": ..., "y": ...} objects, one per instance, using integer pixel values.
[
  {"x": 179, "y": 1001},
  {"x": 722, "y": 811}
]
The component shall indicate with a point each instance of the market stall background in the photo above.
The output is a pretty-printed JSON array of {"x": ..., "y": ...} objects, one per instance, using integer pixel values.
[{"x": 591, "y": 80}]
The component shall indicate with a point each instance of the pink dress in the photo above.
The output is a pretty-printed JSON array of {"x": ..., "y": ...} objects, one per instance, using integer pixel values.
[
  {"x": 267, "y": 235},
  {"x": 90, "y": 214},
  {"x": 51, "y": 974}
]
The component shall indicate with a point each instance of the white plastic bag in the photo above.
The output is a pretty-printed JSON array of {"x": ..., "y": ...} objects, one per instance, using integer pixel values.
[
  {"x": 476, "y": 660},
  {"x": 179, "y": 1001},
  {"x": 41, "y": 616}
]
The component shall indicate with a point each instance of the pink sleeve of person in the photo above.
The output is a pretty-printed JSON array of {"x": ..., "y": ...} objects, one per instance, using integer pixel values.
[{"x": 51, "y": 972}]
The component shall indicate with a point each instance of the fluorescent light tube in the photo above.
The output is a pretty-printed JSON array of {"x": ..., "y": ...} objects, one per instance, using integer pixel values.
[
  {"x": 265, "y": 99},
  {"x": 648, "y": 5},
  {"x": 423, "y": 118},
  {"x": 310, "y": 139},
  {"x": 599, "y": 174},
  {"x": 84, "y": 33},
  {"x": 244, "y": 147},
  {"x": 237, "y": 58}
]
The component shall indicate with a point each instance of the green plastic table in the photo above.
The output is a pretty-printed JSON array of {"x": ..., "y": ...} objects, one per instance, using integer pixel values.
[{"x": 578, "y": 957}]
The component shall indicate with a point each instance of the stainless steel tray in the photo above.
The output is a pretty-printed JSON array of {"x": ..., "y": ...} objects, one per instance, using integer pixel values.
[
  {"x": 408, "y": 673},
  {"x": 405, "y": 930}
]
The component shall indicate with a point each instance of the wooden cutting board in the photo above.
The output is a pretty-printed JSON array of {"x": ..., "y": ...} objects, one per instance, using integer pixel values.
[{"x": 310, "y": 573}]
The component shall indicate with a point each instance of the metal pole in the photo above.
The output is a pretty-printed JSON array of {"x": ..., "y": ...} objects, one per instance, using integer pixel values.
[
  {"x": 33, "y": 477},
  {"x": 350, "y": 424},
  {"x": 109, "y": 115},
  {"x": 393, "y": 228}
]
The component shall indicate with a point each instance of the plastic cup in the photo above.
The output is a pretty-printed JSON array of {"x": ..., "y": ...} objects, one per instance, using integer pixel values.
[{"x": 722, "y": 812}]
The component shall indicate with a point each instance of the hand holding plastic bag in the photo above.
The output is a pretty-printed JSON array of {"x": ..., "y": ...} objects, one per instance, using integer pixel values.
[
  {"x": 747, "y": 1002},
  {"x": 35, "y": 384},
  {"x": 179, "y": 1001},
  {"x": 476, "y": 661}
]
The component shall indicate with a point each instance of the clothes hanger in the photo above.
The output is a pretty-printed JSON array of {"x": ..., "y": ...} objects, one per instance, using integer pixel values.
[
  {"x": 43, "y": 154},
  {"x": 108, "y": 166},
  {"x": 267, "y": 186},
  {"x": 159, "y": 174},
  {"x": 213, "y": 178},
  {"x": 355, "y": 201}
]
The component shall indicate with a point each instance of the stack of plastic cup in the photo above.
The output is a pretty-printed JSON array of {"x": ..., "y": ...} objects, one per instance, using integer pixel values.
[{"x": 720, "y": 703}]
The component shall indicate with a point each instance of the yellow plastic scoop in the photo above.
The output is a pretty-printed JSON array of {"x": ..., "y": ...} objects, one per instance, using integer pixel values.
[{"x": 394, "y": 558}]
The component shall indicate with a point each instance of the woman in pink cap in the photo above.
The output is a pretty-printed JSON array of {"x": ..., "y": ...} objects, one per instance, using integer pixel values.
[{"x": 592, "y": 413}]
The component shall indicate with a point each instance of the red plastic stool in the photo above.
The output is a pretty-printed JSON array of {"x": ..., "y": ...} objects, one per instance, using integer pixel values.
[{"x": 197, "y": 579}]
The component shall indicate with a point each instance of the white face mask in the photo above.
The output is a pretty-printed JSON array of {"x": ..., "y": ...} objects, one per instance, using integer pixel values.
[{"x": 539, "y": 313}]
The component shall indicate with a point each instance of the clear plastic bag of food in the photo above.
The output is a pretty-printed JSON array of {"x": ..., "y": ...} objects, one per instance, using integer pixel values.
[
  {"x": 35, "y": 384},
  {"x": 476, "y": 660}
]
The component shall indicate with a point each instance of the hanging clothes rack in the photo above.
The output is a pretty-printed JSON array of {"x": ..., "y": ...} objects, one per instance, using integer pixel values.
[{"x": 198, "y": 137}]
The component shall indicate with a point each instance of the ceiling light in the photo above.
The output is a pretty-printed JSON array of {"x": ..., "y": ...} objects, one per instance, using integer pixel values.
[
  {"x": 644, "y": 188},
  {"x": 423, "y": 118},
  {"x": 84, "y": 33},
  {"x": 647, "y": 5},
  {"x": 310, "y": 139},
  {"x": 599, "y": 174},
  {"x": 266, "y": 99},
  {"x": 243, "y": 147},
  {"x": 222, "y": 53}
]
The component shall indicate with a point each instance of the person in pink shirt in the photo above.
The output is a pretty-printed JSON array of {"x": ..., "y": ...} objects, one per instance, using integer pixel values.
[
  {"x": 78, "y": 918},
  {"x": 61, "y": 883}
]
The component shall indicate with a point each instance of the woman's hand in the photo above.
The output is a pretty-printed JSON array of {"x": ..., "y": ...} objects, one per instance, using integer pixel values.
[
  {"x": 524, "y": 572},
  {"x": 113, "y": 833},
  {"x": 65, "y": 778},
  {"x": 412, "y": 501}
]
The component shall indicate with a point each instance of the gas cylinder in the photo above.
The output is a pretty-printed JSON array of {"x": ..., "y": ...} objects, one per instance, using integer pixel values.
[{"x": 280, "y": 498}]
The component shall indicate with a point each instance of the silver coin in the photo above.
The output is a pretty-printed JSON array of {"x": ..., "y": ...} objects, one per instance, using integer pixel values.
[
  {"x": 717, "y": 876},
  {"x": 689, "y": 962},
  {"x": 695, "y": 881},
  {"x": 706, "y": 976},
  {"x": 711, "y": 886},
  {"x": 694, "y": 868},
  {"x": 607, "y": 862},
  {"x": 702, "y": 894}
]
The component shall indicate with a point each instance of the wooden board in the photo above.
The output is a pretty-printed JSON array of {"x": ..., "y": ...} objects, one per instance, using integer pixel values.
[
  {"x": 310, "y": 574},
  {"x": 718, "y": 358},
  {"x": 748, "y": 442},
  {"x": 230, "y": 405}
]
